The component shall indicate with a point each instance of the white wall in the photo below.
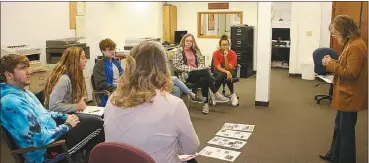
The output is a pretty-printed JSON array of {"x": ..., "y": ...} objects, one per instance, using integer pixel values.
[
  {"x": 119, "y": 21},
  {"x": 42, "y": 21},
  {"x": 187, "y": 20},
  {"x": 326, "y": 20},
  {"x": 39, "y": 21},
  {"x": 303, "y": 20},
  {"x": 281, "y": 10}
]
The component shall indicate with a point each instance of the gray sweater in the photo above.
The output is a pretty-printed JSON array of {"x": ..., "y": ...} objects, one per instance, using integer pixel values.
[{"x": 60, "y": 99}]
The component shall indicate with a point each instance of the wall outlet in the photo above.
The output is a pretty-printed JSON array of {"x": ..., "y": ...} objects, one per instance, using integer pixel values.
[
  {"x": 207, "y": 57},
  {"x": 309, "y": 33}
]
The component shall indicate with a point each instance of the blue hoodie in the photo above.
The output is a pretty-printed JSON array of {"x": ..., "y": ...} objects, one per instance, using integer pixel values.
[{"x": 28, "y": 122}]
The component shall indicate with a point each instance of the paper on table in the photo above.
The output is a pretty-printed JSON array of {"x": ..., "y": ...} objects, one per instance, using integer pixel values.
[
  {"x": 234, "y": 134},
  {"x": 219, "y": 153},
  {"x": 238, "y": 127},
  {"x": 94, "y": 110},
  {"x": 226, "y": 142}
]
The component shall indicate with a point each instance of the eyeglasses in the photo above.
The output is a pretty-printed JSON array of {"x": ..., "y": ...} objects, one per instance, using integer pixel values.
[{"x": 224, "y": 45}]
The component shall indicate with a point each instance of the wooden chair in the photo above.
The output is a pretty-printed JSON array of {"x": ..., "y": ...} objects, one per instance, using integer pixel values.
[
  {"x": 96, "y": 93},
  {"x": 17, "y": 153}
]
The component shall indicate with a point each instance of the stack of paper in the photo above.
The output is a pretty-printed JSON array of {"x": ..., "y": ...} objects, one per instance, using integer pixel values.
[
  {"x": 227, "y": 137},
  {"x": 219, "y": 153},
  {"x": 94, "y": 110},
  {"x": 226, "y": 142}
]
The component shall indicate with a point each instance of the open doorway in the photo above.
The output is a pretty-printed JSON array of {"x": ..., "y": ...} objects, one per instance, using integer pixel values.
[{"x": 281, "y": 20}]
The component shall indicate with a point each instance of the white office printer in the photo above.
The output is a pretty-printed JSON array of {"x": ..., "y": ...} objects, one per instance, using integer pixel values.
[
  {"x": 131, "y": 42},
  {"x": 33, "y": 55}
]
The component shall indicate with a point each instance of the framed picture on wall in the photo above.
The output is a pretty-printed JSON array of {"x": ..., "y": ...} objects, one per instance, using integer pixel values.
[{"x": 211, "y": 23}]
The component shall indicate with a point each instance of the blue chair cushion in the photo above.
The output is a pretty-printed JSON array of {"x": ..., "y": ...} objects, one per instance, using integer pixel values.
[{"x": 318, "y": 55}]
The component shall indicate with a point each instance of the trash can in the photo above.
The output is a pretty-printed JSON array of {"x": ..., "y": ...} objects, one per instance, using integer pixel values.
[{"x": 308, "y": 70}]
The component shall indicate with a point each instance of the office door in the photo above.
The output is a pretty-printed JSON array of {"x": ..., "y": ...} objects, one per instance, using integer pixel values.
[
  {"x": 364, "y": 22},
  {"x": 352, "y": 9}
]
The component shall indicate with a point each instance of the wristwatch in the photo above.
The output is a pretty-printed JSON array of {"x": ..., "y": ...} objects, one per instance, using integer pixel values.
[{"x": 68, "y": 124}]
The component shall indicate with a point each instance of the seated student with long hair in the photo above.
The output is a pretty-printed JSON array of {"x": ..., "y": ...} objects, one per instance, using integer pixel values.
[
  {"x": 31, "y": 125},
  {"x": 142, "y": 112},
  {"x": 108, "y": 70},
  {"x": 66, "y": 86},
  {"x": 190, "y": 64},
  {"x": 225, "y": 64}
]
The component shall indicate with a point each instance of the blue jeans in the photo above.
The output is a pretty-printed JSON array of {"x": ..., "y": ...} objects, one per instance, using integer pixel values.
[
  {"x": 176, "y": 91},
  {"x": 178, "y": 83}
]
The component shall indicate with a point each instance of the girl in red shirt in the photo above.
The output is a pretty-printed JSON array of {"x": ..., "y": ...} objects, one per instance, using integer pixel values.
[{"x": 225, "y": 62}]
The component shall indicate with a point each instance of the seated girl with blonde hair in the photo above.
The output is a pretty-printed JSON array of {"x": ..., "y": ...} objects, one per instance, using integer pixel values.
[{"x": 142, "y": 112}]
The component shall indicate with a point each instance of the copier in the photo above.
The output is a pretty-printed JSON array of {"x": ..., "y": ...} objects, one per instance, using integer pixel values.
[
  {"x": 33, "y": 55},
  {"x": 40, "y": 71},
  {"x": 131, "y": 42},
  {"x": 55, "y": 48}
]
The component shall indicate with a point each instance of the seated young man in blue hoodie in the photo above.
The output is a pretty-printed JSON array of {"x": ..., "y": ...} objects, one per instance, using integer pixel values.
[
  {"x": 108, "y": 70},
  {"x": 30, "y": 124}
]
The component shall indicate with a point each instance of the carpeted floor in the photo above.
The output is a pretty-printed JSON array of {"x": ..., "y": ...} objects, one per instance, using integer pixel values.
[{"x": 294, "y": 129}]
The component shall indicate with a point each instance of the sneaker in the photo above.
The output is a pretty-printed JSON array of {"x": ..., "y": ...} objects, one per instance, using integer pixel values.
[
  {"x": 234, "y": 100},
  {"x": 212, "y": 98},
  {"x": 198, "y": 99},
  {"x": 221, "y": 99},
  {"x": 205, "y": 109}
]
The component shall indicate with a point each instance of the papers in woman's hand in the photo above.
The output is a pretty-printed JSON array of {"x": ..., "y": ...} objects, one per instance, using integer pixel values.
[
  {"x": 185, "y": 158},
  {"x": 94, "y": 110}
]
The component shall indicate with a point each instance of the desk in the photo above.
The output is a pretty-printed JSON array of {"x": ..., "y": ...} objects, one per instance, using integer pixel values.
[{"x": 327, "y": 79}]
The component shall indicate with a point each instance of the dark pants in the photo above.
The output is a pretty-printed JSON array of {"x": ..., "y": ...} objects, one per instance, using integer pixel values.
[
  {"x": 204, "y": 79},
  {"x": 343, "y": 144},
  {"x": 192, "y": 161},
  {"x": 220, "y": 78},
  {"x": 78, "y": 135}
]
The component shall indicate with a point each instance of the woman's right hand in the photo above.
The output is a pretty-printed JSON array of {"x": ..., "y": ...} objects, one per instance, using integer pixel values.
[
  {"x": 81, "y": 105},
  {"x": 73, "y": 120}
]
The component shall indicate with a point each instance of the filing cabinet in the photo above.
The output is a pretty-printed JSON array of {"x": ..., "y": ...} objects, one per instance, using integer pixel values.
[{"x": 242, "y": 42}]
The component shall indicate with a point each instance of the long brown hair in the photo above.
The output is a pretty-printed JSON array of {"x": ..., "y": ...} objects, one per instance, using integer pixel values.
[
  {"x": 194, "y": 44},
  {"x": 346, "y": 27},
  {"x": 68, "y": 64},
  {"x": 146, "y": 70}
]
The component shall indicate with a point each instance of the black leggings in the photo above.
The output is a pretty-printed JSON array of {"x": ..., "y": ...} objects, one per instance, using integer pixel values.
[
  {"x": 204, "y": 80},
  {"x": 220, "y": 78},
  {"x": 85, "y": 136}
]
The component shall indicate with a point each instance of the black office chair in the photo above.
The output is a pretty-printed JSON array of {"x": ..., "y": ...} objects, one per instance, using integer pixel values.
[
  {"x": 318, "y": 55},
  {"x": 17, "y": 153},
  {"x": 235, "y": 79}
]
